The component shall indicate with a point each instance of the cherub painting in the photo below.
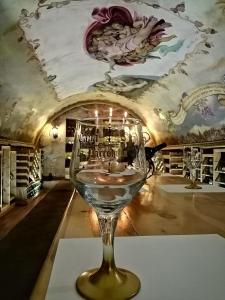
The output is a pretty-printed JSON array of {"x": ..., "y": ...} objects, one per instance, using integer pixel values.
[{"x": 119, "y": 38}]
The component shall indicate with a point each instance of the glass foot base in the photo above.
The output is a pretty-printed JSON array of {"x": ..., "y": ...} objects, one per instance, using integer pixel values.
[
  {"x": 116, "y": 284},
  {"x": 193, "y": 185}
]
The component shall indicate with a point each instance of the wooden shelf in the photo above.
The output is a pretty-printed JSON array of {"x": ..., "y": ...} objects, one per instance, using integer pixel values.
[
  {"x": 69, "y": 140},
  {"x": 220, "y": 182},
  {"x": 173, "y": 160},
  {"x": 219, "y": 162},
  {"x": 209, "y": 160}
]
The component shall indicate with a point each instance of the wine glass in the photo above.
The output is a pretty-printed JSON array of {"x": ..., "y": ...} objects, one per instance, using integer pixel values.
[
  {"x": 108, "y": 168},
  {"x": 192, "y": 163}
]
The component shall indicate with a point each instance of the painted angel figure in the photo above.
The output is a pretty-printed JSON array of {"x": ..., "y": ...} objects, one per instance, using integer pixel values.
[{"x": 119, "y": 38}]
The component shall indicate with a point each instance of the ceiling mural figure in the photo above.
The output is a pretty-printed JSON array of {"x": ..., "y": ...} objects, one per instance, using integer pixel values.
[
  {"x": 139, "y": 41},
  {"x": 119, "y": 38}
]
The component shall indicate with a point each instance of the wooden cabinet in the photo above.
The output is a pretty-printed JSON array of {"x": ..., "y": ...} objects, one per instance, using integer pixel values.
[
  {"x": 207, "y": 157},
  {"x": 28, "y": 172},
  {"x": 70, "y": 131},
  {"x": 173, "y": 160},
  {"x": 219, "y": 167},
  {"x": 7, "y": 176},
  {"x": 20, "y": 174},
  {"x": 176, "y": 163},
  {"x": 209, "y": 163}
]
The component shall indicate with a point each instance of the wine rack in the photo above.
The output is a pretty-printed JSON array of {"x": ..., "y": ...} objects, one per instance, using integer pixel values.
[
  {"x": 219, "y": 167},
  {"x": 70, "y": 131},
  {"x": 173, "y": 160},
  {"x": 207, "y": 165},
  {"x": 210, "y": 164}
]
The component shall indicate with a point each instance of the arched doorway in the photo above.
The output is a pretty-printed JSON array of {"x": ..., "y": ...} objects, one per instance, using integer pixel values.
[{"x": 57, "y": 146}]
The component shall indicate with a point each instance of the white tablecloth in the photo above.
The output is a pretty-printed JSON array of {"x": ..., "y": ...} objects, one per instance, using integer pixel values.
[
  {"x": 190, "y": 267},
  {"x": 180, "y": 188}
]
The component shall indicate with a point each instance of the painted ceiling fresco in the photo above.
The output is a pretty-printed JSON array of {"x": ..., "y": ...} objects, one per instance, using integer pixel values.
[
  {"x": 132, "y": 39},
  {"x": 164, "y": 60}
]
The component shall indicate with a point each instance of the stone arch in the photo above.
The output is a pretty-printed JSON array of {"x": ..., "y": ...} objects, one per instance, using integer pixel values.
[{"x": 66, "y": 109}]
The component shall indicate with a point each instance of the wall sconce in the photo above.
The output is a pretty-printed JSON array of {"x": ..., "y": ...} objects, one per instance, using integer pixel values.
[{"x": 54, "y": 132}]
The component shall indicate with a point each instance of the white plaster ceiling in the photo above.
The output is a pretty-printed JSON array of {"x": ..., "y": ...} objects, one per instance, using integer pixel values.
[{"x": 44, "y": 66}]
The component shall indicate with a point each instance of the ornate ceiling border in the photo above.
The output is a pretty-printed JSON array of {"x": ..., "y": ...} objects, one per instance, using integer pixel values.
[{"x": 173, "y": 118}]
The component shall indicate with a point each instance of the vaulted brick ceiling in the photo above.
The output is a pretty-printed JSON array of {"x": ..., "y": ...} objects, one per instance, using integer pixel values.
[{"x": 166, "y": 57}]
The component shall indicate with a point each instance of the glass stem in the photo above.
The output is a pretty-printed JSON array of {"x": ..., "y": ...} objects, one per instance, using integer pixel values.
[{"x": 107, "y": 224}]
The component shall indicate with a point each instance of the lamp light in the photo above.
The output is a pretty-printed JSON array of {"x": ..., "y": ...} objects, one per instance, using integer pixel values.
[{"x": 54, "y": 132}]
